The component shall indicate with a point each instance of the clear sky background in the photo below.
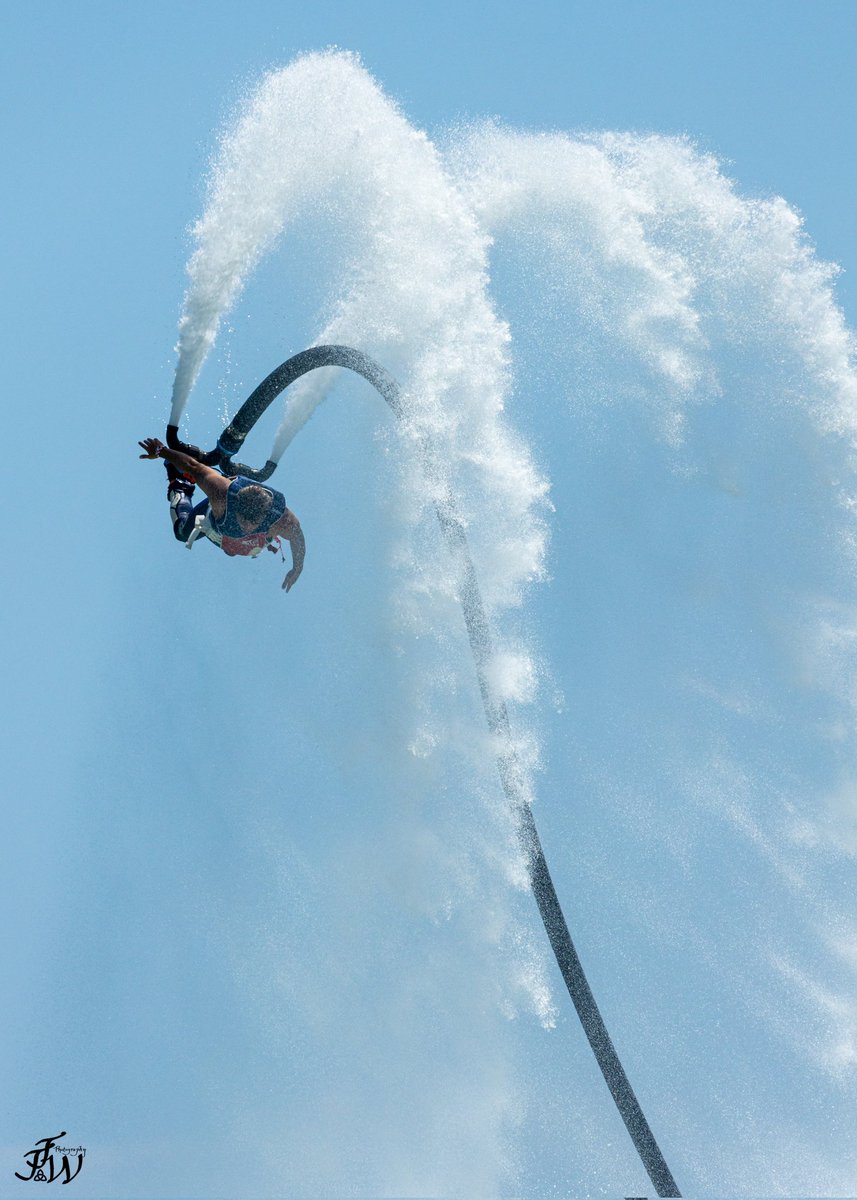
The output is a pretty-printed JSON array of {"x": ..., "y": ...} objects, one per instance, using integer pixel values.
[{"x": 151, "y": 814}]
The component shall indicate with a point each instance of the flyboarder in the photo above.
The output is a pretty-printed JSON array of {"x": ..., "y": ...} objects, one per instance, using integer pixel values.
[{"x": 239, "y": 516}]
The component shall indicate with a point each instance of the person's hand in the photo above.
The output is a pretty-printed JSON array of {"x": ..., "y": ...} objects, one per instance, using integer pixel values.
[
  {"x": 152, "y": 447},
  {"x": 291, "y": 578}
]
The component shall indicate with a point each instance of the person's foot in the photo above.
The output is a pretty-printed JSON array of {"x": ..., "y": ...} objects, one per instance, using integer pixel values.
[{"x": 178, "y": 482}]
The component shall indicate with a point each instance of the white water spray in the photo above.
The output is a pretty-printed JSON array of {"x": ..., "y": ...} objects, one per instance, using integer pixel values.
[{"x": 703, "y": 362}]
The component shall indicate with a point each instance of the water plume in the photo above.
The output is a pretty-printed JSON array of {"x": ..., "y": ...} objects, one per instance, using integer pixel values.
[{"x": 685, "y": 379}]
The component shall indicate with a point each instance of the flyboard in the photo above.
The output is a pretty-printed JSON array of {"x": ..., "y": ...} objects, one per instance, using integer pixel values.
[{"x": 511, "y": 776}]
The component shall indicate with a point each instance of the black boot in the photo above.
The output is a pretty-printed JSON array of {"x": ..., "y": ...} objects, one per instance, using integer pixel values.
[{"x": 178, "y": 483}]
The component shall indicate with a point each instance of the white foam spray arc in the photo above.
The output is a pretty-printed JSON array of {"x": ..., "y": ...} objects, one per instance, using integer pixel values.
[
  {"x": 655, "y": 256},
  {"x": 512, "y": 776}
]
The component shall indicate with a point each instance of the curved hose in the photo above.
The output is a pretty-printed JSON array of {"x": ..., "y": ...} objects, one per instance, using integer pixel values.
[
  {"x": 232, "y": 438},
  {"x": 496, "y": 715}
]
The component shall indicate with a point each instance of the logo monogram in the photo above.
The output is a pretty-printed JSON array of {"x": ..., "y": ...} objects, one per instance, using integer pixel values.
[{"x": 43, "y": 1156}]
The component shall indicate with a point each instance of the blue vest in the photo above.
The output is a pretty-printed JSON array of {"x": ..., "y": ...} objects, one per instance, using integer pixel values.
[{"x": 227, "y": 525}]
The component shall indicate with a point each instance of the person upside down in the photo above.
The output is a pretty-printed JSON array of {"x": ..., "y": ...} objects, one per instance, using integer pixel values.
[{"x": 238, "y": 515}]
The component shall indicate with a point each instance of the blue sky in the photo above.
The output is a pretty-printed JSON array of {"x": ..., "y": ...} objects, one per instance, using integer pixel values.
[{"x": 138, "y": 851}]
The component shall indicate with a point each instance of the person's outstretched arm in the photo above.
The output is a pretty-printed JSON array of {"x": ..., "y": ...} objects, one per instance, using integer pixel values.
[
  {"x": 289, "y": 527},
  {"x": 212, "y": 482}
]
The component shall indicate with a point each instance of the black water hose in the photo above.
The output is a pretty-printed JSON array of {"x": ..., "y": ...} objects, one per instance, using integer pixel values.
[{"x": 496, "y": 714}]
